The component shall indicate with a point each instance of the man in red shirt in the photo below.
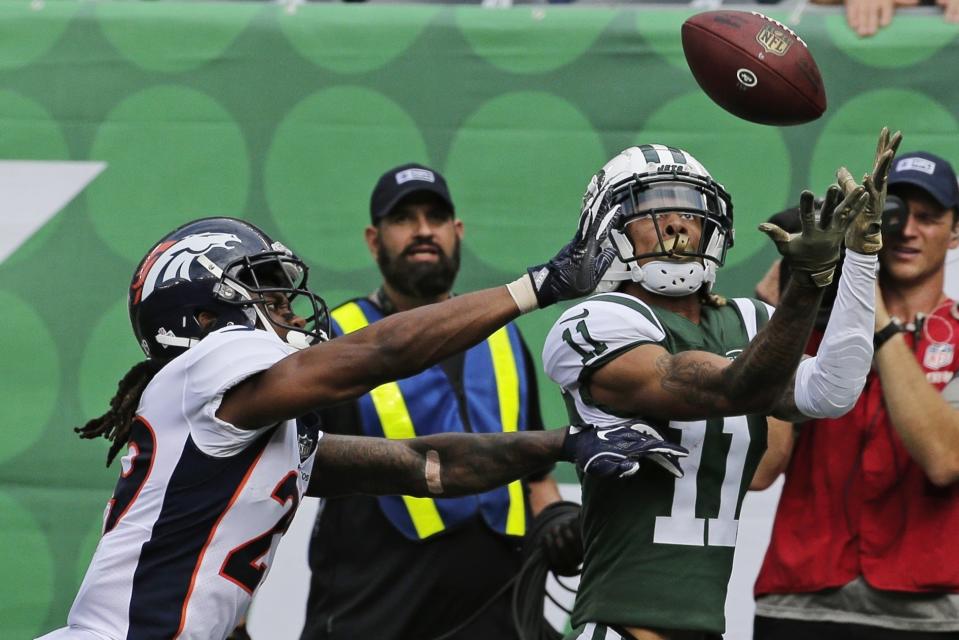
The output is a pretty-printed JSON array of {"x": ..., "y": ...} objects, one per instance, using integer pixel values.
[{"x": 862, "y": 545}]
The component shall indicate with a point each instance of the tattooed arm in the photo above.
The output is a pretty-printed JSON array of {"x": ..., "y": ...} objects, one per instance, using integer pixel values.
[
  {"x": 448, "y": 464},
  {"x": 650, "y": 381}
]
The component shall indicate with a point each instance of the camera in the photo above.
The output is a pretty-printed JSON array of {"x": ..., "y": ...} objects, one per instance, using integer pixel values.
[{"x": 894, "y": 216}]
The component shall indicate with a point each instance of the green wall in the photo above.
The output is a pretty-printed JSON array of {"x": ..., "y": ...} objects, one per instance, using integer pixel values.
[{"x": 288, "y": 118}]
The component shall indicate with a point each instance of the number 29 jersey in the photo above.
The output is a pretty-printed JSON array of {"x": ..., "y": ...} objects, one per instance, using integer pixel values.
[
  {"x": 659, "y": 549},
  {"x": 200, "y": 505}
]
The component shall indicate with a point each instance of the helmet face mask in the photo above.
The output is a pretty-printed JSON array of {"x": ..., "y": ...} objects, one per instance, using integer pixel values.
[
  {"x": 651, "y": 182},
  {"x": 226, "y": 267},
  {"x": 259, "y": 280}
]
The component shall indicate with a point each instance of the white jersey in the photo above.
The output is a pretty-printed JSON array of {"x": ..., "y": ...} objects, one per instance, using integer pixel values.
[{"x": 200, "y": 505}]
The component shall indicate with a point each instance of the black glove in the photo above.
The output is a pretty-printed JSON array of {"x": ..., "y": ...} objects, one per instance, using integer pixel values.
[
  {"x": 616, "y": 450},
  {"x": 579, "y": 266},
  {"x": 559, "y": 532}
]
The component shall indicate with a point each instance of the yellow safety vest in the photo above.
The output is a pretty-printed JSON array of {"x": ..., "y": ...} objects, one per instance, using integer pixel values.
[{"x": 397, "y": 423}]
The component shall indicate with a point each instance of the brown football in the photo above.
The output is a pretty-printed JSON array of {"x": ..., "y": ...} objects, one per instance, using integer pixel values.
[{"x": 754, "y": 67}]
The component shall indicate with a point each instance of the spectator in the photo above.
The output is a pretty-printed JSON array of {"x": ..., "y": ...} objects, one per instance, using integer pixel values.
[
  {"x": 866, "y": 17},
  {"x": 395, "y": 568},
  {"x": 862, "y": 542}
]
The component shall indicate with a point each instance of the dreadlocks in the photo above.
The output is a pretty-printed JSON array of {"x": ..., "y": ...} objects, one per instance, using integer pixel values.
[{"x": 115, "y": 424}]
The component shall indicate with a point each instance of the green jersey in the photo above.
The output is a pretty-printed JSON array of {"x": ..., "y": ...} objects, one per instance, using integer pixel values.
[{"x": 659, "y": 549}]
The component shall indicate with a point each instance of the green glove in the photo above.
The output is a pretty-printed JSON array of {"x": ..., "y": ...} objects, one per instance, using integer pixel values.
[
  {"x": 864, "y": 235},
  {"x": 814, "y": 252}
]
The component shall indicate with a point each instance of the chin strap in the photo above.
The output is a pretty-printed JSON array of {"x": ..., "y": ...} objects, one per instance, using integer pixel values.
[{"x": 668, "y": 278}]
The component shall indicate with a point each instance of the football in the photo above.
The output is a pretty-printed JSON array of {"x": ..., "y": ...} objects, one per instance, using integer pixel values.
[{"x": 754, "y": 67}]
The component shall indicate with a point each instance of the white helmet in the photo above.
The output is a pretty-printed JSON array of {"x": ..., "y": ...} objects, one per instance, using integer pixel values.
[{"x": 652, "y": 180}]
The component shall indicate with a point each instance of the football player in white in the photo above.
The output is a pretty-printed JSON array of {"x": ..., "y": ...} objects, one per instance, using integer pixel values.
[
  {"x": 220, "y": 444},
  {"x": 659, "y": 347}
]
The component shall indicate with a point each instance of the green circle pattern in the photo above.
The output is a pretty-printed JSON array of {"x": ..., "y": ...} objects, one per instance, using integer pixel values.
[
  {"x": 19, "y": 46},
  {"x": 107, "y": 355},
  {"x": 334, "y": 42},
  {"x": 173, "y": 154},
  {"x": 28, "y": 592},
  {"x": 323, "y": 161},
  {"x": 908, "y": 40},
  {"x": 849, "y": 137},
  {"x": 29, "y": 131},
  {"x": 756, "y": 172},
  {"x": 147, "y": 43},
  {"x": 521, "y": 159},
  {"x": 32, "y": 359},
  {"x": 543, "y": 41}
]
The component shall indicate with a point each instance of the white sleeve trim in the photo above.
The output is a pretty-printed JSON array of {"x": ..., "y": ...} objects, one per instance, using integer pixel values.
[{"x": 213, "y": 436}]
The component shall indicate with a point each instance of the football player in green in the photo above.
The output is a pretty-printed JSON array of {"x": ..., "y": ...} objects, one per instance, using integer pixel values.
[{"x": 659, "y": 348}]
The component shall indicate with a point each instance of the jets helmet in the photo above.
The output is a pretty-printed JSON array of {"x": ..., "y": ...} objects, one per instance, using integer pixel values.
[
  {"x": 653, "y": 180},
  {"x": 229, "y": 268}
]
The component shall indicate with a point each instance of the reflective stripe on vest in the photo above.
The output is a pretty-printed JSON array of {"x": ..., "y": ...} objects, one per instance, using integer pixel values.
[
  {"x": 397, "y": 423},
  {"x": 507, "y": 388}
]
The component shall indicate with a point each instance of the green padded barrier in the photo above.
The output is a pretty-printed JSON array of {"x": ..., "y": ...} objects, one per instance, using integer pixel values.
[{"x": 286, "y": 117}]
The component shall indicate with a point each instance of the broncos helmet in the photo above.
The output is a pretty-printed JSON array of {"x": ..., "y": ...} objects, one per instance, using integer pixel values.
[
  {"x": 653, "y": 180},
  {"x": 227, "y": 267}
]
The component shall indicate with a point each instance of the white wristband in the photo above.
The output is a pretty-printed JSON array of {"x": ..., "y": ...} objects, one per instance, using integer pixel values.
[{"x": 523, "y": 294}]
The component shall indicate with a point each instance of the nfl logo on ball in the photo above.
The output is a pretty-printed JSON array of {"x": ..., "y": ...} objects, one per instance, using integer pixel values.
[{"x": 774, "y": 40}]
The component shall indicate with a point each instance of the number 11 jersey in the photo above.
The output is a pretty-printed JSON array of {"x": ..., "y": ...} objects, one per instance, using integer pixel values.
[{"x": 659, "y": 549}]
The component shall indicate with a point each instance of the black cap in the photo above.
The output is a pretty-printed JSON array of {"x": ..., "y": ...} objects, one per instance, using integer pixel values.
[
  {"x": 401, "y": 181},
  {"x": 930, "y": 173}
]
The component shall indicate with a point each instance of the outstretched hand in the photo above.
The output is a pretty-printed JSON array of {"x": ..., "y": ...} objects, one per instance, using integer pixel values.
[
  {"x": 616, "y": 450},
  {"x": 814, "y": 252},
  {"x": 579, "y": 266},
  {"x": 864, "y": 235}
]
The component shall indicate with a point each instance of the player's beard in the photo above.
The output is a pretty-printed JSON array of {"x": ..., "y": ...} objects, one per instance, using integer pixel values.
[{"x": 425, "y": 280}]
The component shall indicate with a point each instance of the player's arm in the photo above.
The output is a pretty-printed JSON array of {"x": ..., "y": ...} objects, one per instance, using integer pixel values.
[
  {"x": 650, "y": 381},
  {"x": 454, "y": 464},
  {"x": 408, "y": 342},
  {"x": 828, "y": 385},
  {"x": 925, "y": 419},
  {"x": 448, "y": 464}
]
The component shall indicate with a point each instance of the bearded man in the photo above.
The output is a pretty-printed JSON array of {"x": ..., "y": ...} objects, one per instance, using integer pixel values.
[{"x": 396, "y": 567}]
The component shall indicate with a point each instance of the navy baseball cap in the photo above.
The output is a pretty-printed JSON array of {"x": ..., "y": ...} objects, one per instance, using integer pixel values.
[
  {"x": 930, "y": 173},
  {"x": 401, "y": 181}
]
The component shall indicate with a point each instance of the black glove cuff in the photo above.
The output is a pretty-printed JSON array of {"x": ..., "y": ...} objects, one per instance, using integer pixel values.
[
  {"x": 569, "y": 442},
  {"x": 538, "y": 276}
]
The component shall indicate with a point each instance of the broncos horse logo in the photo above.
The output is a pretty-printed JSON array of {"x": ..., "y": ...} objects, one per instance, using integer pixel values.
[{"x": 173, "y": 260}]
